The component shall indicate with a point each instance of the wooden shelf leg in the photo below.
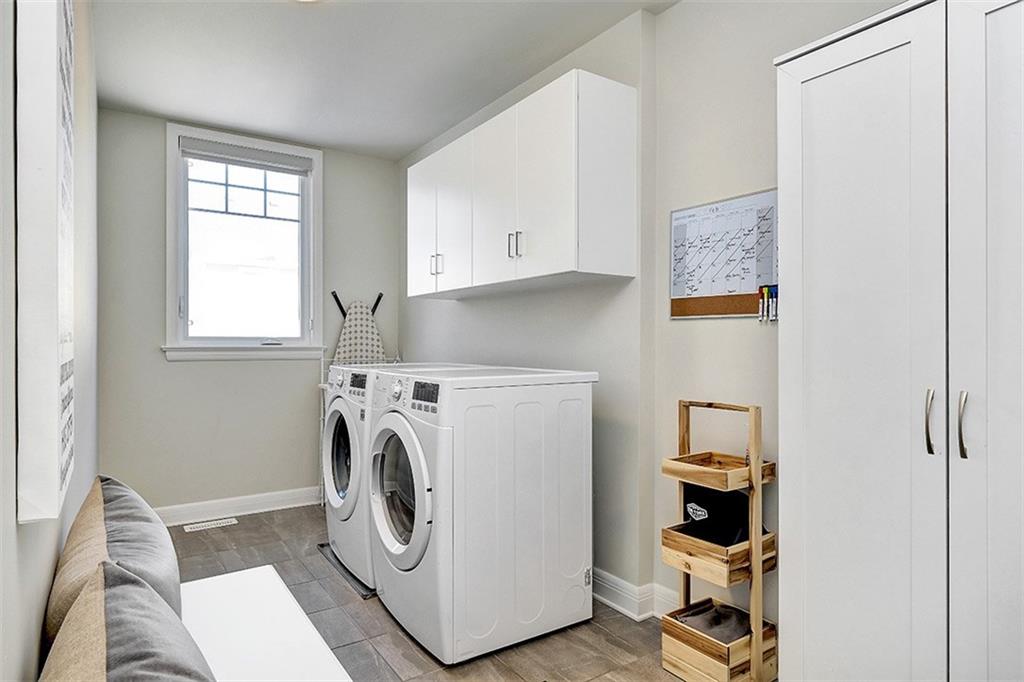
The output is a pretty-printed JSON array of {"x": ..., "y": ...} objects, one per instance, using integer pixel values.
[{"x": 756, "y": 558}]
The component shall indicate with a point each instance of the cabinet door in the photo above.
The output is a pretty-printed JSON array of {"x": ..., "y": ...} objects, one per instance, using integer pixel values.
[
  {"x": 986, "y": 340},
  {"x": 494, "y": 199},
  {"x": 421, "y": 224},
  {"x": 862, "y": 338},
  {"x": 546, "y": 179},
  {"x": 454, "y": 168}
]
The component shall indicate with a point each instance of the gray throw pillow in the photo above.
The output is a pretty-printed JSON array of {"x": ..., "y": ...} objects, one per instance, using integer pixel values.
[
  {"x": 114, "y": 524},
  {"x": 120, "y": 629}
]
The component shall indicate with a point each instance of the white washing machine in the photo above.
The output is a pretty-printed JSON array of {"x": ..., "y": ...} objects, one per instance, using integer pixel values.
[
  {"x": 345, "y": 467},
  {"x": 481, "y": 504}
]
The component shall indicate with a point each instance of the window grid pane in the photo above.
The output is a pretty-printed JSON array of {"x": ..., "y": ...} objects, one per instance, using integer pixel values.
[{"x": 244, "y": 252}]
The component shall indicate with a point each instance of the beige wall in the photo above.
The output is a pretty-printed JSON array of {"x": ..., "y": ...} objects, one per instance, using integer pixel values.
[
  {"x": 589, "y": 327},
  {"x": 28, "y": 553},
  {"x": 716, "y": 139},
  {"x": 192, "y": 431}
]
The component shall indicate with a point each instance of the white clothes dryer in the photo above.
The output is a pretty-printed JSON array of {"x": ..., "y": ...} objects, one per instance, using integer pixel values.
[
  {"x": 346, "y": 467},
  {"x": 481, "y": 504}
]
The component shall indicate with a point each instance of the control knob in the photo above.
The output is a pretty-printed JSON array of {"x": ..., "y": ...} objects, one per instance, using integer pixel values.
[{"x": 396, "y": 390}]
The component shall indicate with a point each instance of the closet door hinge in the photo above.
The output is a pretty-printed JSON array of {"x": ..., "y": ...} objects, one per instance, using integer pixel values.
[{"x": 587, "y": 577}]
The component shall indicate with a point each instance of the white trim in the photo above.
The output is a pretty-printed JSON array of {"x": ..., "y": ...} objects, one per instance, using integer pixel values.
[
  {"x": 189, "y": 353},
  {"x": 859, "y": 27},
  {"x": 635, "y": 601},
  {"x": 311, "y": 257},
  {"x": 192, "y": 512},
  {"x": 639, "y": 602}
]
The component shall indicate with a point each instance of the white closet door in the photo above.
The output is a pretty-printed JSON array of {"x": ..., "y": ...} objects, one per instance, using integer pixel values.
[
  {"x": 546, "y": 179},
  {"x": 986, "y": 340},
  {"x": 494, "y": 199},
  {"x": 454, "y": 262},
  {"x": 421, "y": 228},
  {"x": 862, "y": 335}
]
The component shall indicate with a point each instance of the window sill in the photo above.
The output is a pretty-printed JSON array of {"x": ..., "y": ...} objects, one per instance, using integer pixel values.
[{"x": 201, "y": 353}]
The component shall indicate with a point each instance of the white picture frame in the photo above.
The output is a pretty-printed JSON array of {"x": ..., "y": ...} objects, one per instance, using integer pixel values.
[{"x": 45, "y": 256}]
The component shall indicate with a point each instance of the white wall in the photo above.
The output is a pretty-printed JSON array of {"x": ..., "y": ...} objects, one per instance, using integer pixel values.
[
  {"x": 589, "y": 327},
  {"x": 716, "y": 139},
  {"x": 192, "y": 431},
  {"x": 28, "y": 554}
]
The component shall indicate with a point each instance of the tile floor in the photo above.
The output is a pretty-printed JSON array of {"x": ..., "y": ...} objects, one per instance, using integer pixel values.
[{"x": 372, "y": 646}]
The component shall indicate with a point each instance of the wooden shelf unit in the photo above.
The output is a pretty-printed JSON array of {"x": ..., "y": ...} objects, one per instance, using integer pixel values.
[{"x": 687, "y": 653}]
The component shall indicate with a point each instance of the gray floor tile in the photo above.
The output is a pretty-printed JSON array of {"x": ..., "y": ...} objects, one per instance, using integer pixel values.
[
  {"x": 238, "y": 559},
  {"x": 407, "y": 658},
  {"x": 339, "y": 589},
  {"x": 336, "y": 627},
  {"x": 189, "y": 544},
  {"x": 485, "y": 669},
  {"x": 312, "y": 597},
  {"x": 364, "y": 664},
  {"x": 562, "y": 655},
  {"x": 371, "y": 617},
  {"x": 293, "y": 572},
  {"x": 318, "y": 565},
  {"x": 644, "y": 638},
  {"x": 646, "y": 669},
  {"x": 199, "y": 566},
  {"x": 601, "y": 640}
]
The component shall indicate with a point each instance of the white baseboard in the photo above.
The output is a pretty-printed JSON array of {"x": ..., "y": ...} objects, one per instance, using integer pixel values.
[
  {"x": 193, "y": 512},
  {"x": 636, "y": 601}
]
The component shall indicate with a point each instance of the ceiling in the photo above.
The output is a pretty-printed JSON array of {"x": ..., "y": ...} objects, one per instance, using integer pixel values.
[{"x": 379, "y": 78}]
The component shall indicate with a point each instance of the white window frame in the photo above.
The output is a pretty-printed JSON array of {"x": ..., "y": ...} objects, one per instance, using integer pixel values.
[{"x": 178, "y": 346}]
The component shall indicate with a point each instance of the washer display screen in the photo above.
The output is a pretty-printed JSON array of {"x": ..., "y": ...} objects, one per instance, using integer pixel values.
[{"x": 396, "y": 484}]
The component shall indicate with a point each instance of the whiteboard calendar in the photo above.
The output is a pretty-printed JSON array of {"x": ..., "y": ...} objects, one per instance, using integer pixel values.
[{"x": 726, "y": 247}]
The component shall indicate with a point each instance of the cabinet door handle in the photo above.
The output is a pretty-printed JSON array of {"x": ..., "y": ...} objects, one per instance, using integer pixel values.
[
  {"x": 929, "y": 398},
  {"x": 509, "y": 245},
  {"x": 439, "y": 264},
  {"x": 960, "y": 424},
  {"x": 518, "y": 252},
  {"x": 433, "y": 268}
]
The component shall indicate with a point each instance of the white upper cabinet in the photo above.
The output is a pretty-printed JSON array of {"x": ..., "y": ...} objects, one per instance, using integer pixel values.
[
  {"x": 494, "y": 199},
  {"x": 545, "y": 238},
  {"x": 440, "y": 220},
  {"x": 547, "y": 187},
  {"x": 454, "y": 261},
  {"x": 421, "y": 204}
]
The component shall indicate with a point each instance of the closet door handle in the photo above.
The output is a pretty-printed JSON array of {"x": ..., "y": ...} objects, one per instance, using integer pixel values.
[
  {"x": 518, "y": 252},
  {"x": 929, "y": 398},
  {"x": 960, "y": 424},
  {"x": 433, "y": 267},
  {"x": 509, "y": 245},
  {"x": 439, "y": 264}
]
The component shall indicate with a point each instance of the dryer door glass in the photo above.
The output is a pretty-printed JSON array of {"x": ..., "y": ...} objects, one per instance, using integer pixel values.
[
  {"x": 398, "y": 490},
  {"x": 341, "y": 456}
]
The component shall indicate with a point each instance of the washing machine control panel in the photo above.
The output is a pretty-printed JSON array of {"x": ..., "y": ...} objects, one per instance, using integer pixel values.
[
  {"x": 420, "y": 398},
  {"x": 355, "y": 387}
]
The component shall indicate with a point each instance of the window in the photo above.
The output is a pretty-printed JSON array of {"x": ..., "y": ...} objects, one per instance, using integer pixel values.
[{"x": 243, "y": 240}]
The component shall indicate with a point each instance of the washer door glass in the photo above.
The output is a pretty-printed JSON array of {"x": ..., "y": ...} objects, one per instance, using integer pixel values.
[
  {"x": 341, "y": 456},
  {"x": 398, "y": 489},
  {"x": 341, "y": 460}
]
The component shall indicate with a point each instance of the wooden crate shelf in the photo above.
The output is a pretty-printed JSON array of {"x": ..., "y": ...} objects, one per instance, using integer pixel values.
[
  {"x": 687, "y": 651},
  {"x": 714, "y": 470},
  {"x": 693, "y": 654},
  {"x": 717, "y": 564}
]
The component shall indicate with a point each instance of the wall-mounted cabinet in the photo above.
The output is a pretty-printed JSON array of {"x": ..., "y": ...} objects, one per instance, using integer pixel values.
[{"x": 543, "y": 193}]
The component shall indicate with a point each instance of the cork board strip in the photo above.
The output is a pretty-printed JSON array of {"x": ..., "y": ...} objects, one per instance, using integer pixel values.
[{"x": 728, "y": 304}]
